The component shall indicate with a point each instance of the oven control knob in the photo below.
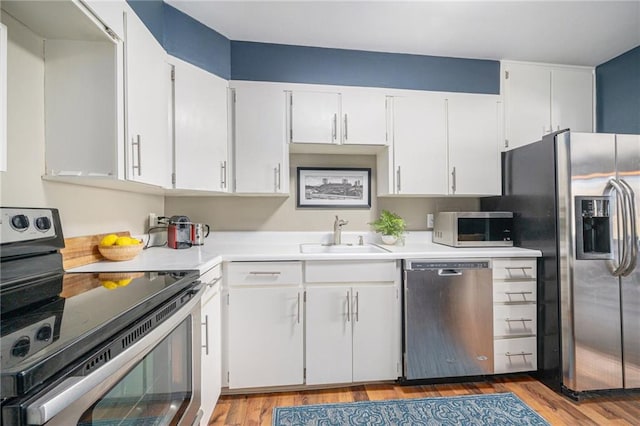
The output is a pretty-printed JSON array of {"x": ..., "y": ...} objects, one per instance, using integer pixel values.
[
  {"x": 21, "y": 347},
  {"x": 43, "y": 223},
  {"x": 20, "y": 222},
  {"x": 44, "y": 333}
]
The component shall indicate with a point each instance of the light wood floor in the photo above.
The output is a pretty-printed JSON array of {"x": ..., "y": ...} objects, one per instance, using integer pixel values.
[{"x": 622, "y": 409}]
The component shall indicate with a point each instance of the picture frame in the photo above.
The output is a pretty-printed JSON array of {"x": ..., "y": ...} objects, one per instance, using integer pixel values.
[{"x": 331, "y": 187}]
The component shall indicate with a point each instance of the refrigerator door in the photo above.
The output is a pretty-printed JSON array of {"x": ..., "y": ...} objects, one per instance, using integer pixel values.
[
  {"x": 590, "y": 294},
  {"x": 628, "y": 147}
]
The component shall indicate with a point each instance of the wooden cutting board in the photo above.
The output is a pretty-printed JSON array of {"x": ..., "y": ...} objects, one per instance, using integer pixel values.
[{"x": 80, "y": 251}]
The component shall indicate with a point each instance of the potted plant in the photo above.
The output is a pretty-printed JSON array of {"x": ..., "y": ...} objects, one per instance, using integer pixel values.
[{"x": 390, "y": 225}]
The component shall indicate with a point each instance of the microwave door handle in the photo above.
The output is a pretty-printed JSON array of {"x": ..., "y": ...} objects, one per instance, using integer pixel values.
[
  {"x": 71, "y": 389},
  {"x": 614, "y": 186},
  {"x": 631, "y": 237}
]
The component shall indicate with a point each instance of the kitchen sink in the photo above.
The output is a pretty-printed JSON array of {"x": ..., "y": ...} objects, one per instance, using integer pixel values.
[{"x": 340, "y": 248}]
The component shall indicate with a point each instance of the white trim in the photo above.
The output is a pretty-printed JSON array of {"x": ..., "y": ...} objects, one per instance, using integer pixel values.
[{"x": 3, "y": 97}]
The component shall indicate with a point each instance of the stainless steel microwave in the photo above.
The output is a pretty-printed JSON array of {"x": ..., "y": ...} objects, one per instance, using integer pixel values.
[{"x": 474, "y": 229}]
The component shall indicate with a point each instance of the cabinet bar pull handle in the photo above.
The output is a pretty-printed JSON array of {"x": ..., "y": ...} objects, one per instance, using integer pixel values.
[
  {"x": 214, "y": 282},
  {"x": 206, "y": 334},
  {"x": 357, "y": 307},
  {"x": 334, "y": 127},
  {"x": 278, "y": 178},
  {"x": 348, "y": 307},
  {"x": 265, "y": 273},
  {"x": 518, "y": 292},
  {"x": 522, "y": 354},
  {"x": 298, "y": 320},
  {"x": 453, "y": 180},
  {"x": 518, "y": 320},
  {"x": 398, "y": 186},
  {"x": 223, "y": 174},
  {"x": 518, "y": 267},
  {"x": 346, "y": 132},
  {"x": 137, "y": 143}
]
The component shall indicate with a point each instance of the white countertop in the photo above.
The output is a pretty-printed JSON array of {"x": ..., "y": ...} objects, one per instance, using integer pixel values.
[{"x": 274, "y": 246}]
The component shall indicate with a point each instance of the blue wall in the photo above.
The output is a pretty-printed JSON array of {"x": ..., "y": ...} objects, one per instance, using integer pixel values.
[
  {"x": 618, "y": 94},
  {"x": 190, "y": 40},
  {"x": 315, "y": 65}
]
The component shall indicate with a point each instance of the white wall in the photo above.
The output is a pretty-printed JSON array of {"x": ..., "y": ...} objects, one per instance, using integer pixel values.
[{"x": 83, "y": 210}]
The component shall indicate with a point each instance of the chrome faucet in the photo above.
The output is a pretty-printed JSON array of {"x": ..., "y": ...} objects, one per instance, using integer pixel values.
[{"x": 337, "y": 230}]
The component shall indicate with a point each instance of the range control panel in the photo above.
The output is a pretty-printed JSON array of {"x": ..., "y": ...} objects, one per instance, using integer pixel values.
[{"x": 25, "y": 224}]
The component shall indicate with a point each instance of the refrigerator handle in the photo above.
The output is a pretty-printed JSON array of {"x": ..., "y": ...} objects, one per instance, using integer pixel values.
[
  {"x": 632, "y": 235},
  {"x": 621, "y": 210}
]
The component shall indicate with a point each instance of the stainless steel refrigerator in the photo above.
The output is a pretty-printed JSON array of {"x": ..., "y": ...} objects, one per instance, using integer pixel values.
[{"x": 575, "y": 198}]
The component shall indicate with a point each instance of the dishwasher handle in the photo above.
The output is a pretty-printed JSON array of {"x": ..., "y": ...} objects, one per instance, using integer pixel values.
[{"x": 449, "y": 272}]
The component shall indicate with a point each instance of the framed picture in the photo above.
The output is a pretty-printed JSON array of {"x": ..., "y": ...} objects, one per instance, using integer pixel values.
[{"x": 329, "y": 187}]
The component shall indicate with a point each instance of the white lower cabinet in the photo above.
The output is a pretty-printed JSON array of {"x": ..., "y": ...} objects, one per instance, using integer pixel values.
[
  {"x": 211, "y": 367},
  {"x": 353, "y": 327},
  {"x": 514, "y": 315},
  {"x": 265, "y": 324}
]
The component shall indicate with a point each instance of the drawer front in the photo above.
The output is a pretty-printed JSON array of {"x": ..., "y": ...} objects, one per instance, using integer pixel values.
[
  {"x": 514, "y": 291},
  {"x": 514, "y": 269},
  {"x": 512, "y": 355},
  {"x": 212, "y": 276},
  {"x": 351, "y": 271},
  {"x": 514, "y": 320},
  {"x": 260, "y": 273}
]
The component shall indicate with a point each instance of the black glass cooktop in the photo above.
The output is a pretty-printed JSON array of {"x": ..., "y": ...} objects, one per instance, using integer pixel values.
[{"x": 39, "y": 340}]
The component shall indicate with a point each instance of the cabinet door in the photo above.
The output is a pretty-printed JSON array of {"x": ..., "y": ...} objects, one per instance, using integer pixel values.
[
  {"x": 261, "y": 155},
  {"x": 315, "y": 117},
  {"x": 572, "y": 99},
  {"x": 376, "y": 324},
  {"x": 364, "y": 119},
  {"x": 474, "y": 156},
  {"x": 147, "y": 78},
  {"x": 211, "y": 379},
  {"x": 110, "y": 13},
  {"x": 328, "y": 335},
  {"x": 419, "y": 145},
  {"x": 527, "y": 103},
  {"x": 265, "y": 337},
  {"x": 3, "y": 98},
  {"x": 200, "y": 128}
]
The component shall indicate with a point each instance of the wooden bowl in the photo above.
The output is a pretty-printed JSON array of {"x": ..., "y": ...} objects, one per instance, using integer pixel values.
[{"x": 119, "y": 253}]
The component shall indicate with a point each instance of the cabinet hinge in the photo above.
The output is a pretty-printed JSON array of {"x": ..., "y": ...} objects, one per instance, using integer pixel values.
[
  {"x": 304, "y": 373},
  {"x": 506, "y": 75},
  {"x": 234, "y": 96},
  {"x": 173, "y": 74},
  {"x": 506, "y": 143},
  {"x": 304, "y": 296},
  {"x": 111, "y": 33},
  {"x": 227, "y": 299},
  {"x": 173, "y": 178},
  {"x": 227, "y": 377}
]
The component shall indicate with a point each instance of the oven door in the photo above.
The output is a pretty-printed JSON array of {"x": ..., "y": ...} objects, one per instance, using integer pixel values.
[{"x": 156, "y": 381}]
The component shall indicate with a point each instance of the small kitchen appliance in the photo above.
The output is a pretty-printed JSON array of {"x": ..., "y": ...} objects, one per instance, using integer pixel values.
[
  {"x": 199, "y": 231},
  {"x": 473, "y": 229},
  {"x": 179, "y": 232}
]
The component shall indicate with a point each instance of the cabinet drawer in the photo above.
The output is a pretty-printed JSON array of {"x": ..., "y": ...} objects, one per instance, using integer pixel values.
[
  {"x": 512, "y": 355},
  {"x": 350, "y": 271},
  {"x": 514, "y": 269},
  {"x": 212, "y": 276},
  {"x": 514, "y": 320},
  {"x": 257, "y": 273},
  {"x": 514, "y": 291}
]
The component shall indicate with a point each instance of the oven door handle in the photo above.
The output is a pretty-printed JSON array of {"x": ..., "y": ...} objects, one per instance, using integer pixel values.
[{"x": 71, "y": 389}]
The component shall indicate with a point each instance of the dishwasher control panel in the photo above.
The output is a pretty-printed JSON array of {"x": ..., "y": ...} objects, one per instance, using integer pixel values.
[{"x": 420, "y": 265}]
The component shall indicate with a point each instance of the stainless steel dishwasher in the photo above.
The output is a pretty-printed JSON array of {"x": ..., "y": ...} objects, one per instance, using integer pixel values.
[{"x": 448, "y": 318}]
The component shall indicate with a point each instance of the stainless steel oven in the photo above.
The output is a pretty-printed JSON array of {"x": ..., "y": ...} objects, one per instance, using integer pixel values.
[{"x": 96, "y": 349}]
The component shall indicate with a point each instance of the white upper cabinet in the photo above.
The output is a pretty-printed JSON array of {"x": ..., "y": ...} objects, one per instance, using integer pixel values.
[
  {"x": 364, "y": 118},
  {"x": 419, "y": 145},
  {"x": 541, "y": 98},
  {"x": 147, "y": 79},
  {"x": 351, "y": 117},
  {"x": 473, "y": 140},
  {"x": 109, "y": 13},
  {"x": 572, "y": 92},
  {"x": 3, "y": 98},
  {"x": 200, "y": 128},
  {"x": 259, "y": 137},
  {"x": 314, "y": 117}
]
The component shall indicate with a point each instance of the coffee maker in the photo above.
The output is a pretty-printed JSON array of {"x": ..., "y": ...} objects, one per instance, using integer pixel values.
[{"x": 179, "y": 232}]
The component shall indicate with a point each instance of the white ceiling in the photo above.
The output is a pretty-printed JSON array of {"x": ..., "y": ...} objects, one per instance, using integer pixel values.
[{"x": 566, "y": 32}]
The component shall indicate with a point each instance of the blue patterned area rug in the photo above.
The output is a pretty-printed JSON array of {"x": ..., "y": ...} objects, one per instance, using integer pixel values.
[{"x": 485, "y": 409}]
